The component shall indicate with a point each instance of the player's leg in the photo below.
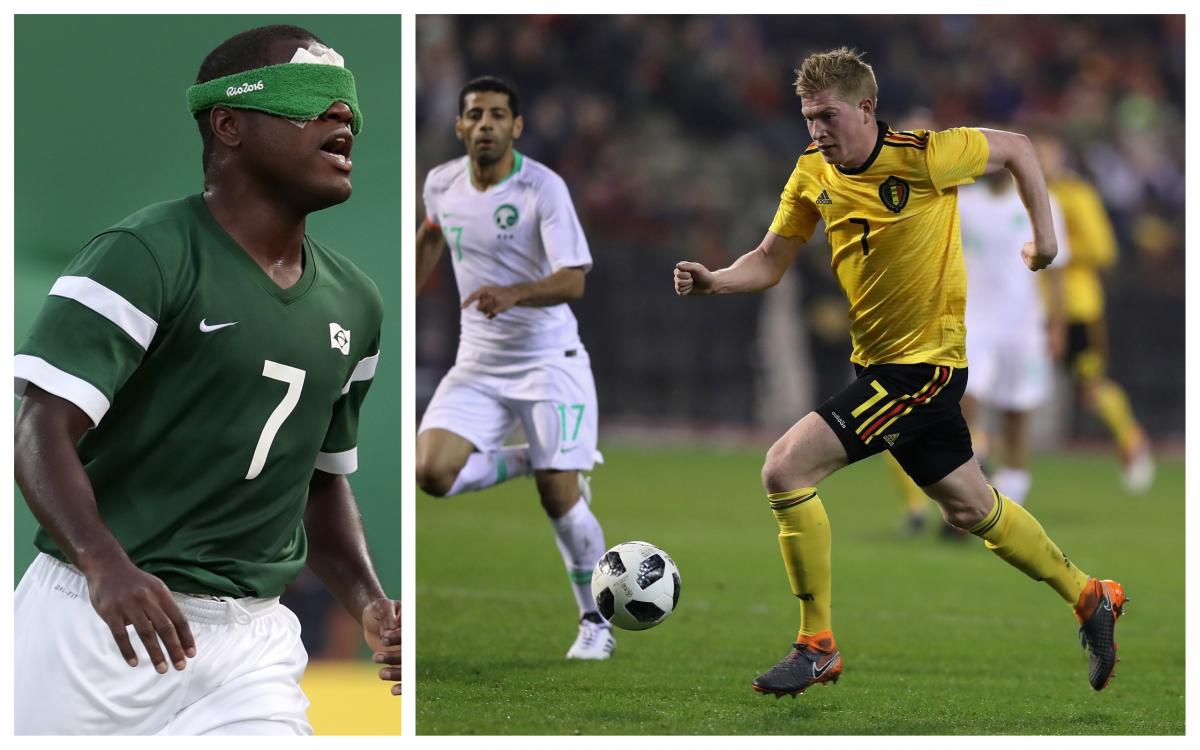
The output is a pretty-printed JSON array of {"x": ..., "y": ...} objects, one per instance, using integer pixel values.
[
  {"x": 441, "y": 456},
  {"x": 975, "y": 410},
  {"x": 915, "y": 502},
  {"x": 577, "y": 533},
  {"x": 1012, "y": 477},
  {"x": 460, "y": 443},
  {"x": 1016, "y": 537},
  {"x": 448, "y": 464},
  {"x": 805, "y": 455},
  {"x": 1107, "y": 400},
  {"x": 68, "y": 675},
  {"x": 1088, "y": 347},
  {"x": 865, "y": 418},
  {"x": 249, "y": 682},
  {"x": 1024, "y": 385},
  {"x": 562, "y": 434}
]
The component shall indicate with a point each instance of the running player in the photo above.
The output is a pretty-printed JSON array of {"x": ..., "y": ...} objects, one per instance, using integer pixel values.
[
  {"x": 1011, "y": 332},
  {"x": 519, "y": 256},
  {"x": 190, "y": 399},
  {"x": 1094, "y": 249},
  {"x": 888, "y": 200}
]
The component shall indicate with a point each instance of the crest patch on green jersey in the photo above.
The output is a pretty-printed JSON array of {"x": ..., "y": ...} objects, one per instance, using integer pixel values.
[
  {"x": 506, "y": 216},
  {"x": 894, "y": 194}
]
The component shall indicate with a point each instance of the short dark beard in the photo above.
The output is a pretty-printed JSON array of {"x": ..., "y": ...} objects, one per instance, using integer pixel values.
[{"x": 486, "y": 160}]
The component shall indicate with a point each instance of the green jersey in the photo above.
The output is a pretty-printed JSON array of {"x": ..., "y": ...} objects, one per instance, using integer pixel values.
[{"x": 213, "y": 392}]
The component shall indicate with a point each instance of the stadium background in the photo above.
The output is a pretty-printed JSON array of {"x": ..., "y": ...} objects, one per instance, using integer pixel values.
[
  {"x": 675, "y": 136},
  {"x": 102, "y": 129}
]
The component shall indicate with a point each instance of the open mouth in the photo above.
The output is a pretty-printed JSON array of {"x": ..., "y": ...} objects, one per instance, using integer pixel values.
[{"x": 337, "y": 148}]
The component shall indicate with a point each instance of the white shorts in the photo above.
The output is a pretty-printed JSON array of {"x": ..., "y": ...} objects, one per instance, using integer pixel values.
[
  {"x": 70, "y": 678},
  {"x": 1012, "y": 373},
  {"x": 554, "y": 400}
]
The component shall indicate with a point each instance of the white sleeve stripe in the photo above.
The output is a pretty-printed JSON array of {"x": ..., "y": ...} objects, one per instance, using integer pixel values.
[
  {"x": 104, "y": 301},
  {"x": 345, "y": 462},
  {"x": 29, "y": 369},
  {"x": 363, "y": 371}
]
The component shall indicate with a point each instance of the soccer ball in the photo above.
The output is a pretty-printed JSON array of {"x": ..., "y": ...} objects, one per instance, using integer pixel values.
[{"x": 635, "y": 585}]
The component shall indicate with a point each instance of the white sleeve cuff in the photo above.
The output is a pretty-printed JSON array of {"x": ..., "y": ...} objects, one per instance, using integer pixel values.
[
  {"x": 29, "y": 369},
  {"x": 345, "y": 462}
]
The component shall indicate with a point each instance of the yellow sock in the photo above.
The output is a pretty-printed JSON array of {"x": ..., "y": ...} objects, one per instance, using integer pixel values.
[
  {"x": 1017, "y": 537},
  {"x": 805, "y": 542},
  {"x": 914, "y": 499},
  {"x": 1112, "y": 406}
]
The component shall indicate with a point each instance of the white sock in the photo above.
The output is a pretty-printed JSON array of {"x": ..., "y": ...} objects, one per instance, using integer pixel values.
[
  {"x": 482, "y": 470},
  {"x": 1013, "y": 482},
  {"x": 581, "y": 542}
]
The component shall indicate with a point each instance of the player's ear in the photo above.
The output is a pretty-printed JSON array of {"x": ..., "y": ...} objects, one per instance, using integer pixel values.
[
  {"x": 225, "y": 125},
  {"x": 458, "y": 128},
  {"x": 867, "y": 105},
  {"x": 518, "y": 126}
]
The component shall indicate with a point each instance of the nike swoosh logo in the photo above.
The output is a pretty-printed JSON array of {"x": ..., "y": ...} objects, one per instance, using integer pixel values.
[
  {"x": 828, "y": 664},
  {"x": 567, "y": 450},
  {"x": 206, "y": 328}
]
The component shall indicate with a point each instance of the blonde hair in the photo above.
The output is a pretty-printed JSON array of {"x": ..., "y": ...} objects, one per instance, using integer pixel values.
[{"x": 841, "y": 70}]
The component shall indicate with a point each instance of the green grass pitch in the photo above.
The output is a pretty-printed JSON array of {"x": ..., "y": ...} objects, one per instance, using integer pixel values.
[{"x": 937, "y": 637}]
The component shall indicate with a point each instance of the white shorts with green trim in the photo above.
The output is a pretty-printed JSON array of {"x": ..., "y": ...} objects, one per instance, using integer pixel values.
[{"x": 552, "y": 399}]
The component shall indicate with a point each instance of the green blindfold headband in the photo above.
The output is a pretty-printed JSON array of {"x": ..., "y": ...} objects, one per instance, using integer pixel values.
[{"x": 297, "y": 91}]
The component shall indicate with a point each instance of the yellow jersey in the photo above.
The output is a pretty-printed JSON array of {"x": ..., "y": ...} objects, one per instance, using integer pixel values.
[
  {"x": 892, "y": 225},
  {"x": 1093, "y": 247}
]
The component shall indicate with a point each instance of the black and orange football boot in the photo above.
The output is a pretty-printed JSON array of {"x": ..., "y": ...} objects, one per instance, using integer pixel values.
[
  {"x": 1100, "y": 604},
  {"x": 813, "y": 660}
]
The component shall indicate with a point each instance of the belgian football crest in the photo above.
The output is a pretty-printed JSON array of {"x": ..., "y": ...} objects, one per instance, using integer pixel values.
[
  {"x": 339, "y": 338},
  {"x": 894, "y": 194},
  {"x": 506, "y": 216}
]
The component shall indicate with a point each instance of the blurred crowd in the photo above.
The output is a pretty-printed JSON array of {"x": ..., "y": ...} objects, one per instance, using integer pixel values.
[{"x": 676, "y": 135}]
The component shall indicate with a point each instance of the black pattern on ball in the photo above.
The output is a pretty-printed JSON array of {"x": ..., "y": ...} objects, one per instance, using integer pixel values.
[
  {"x": 675, "y": 596},
  {"x": 611, "y": 564},
  {"x": 645, "y": 611},
  {"x": 650, "y": 571},
  {"x": 604, "y": 603}
]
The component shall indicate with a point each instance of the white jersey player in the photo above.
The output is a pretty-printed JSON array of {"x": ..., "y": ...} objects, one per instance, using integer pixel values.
[
  {"x": 1010, "y": 332},
  {"x": 519, "y": 256}
]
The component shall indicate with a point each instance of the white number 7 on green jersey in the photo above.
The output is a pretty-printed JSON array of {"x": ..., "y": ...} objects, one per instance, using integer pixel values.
[{"x": 294, "y": 377}]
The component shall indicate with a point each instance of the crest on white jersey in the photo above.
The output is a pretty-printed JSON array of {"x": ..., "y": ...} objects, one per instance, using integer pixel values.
[
  {"x": 339, "y": 338},
  {"x": 507, "y": 216}
]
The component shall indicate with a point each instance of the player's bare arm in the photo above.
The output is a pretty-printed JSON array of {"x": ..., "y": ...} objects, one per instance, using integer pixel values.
[
  {"x": 337, "y": 554},
  {"x": 1015, "y": 152},
  {"x": 564, "y": 285},
  {"x": 60, "y": 496},
  {"x": 430, "y": 242},
  {"x": 759, "y": 269}
]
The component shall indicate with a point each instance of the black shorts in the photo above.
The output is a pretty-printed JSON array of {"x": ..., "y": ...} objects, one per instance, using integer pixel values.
[
  {"x": 910, "y": 410},
  {"x": 1084, "y": 358}
]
